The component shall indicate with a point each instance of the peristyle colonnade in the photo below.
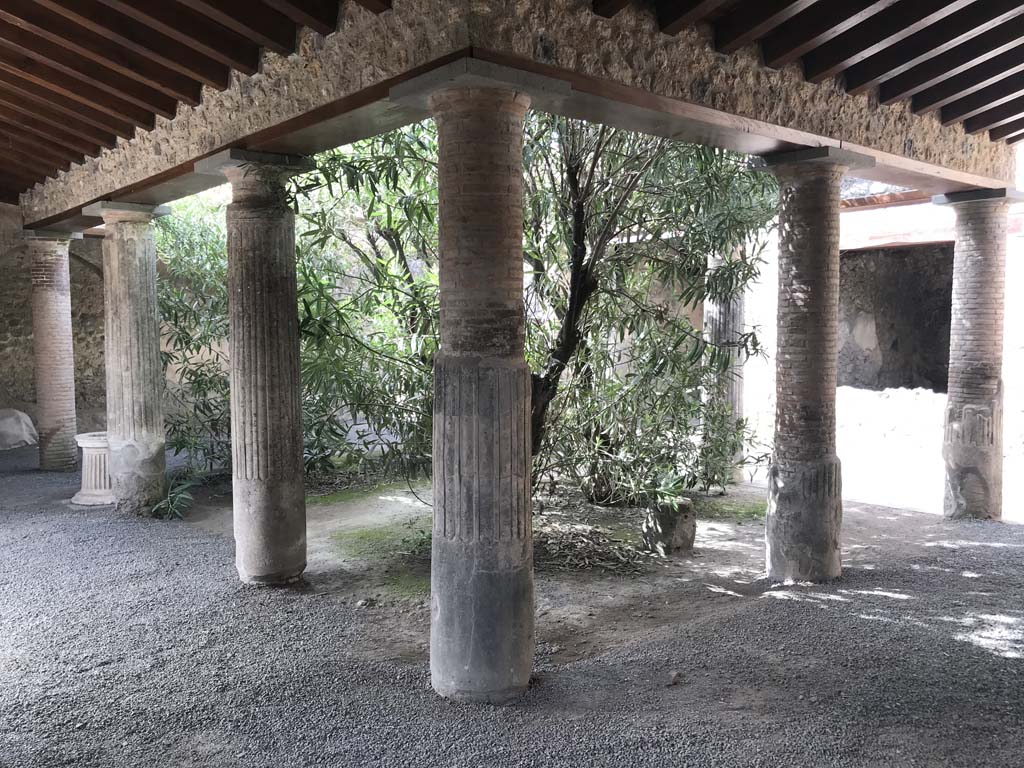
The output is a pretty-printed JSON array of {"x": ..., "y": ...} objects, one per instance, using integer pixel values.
[{"x": 482, "y": 631}]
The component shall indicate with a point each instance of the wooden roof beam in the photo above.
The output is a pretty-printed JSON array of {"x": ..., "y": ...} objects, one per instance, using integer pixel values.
[
  {"x": 870, "y": 37},
  {"x": 930, "y": 41},
  {"x": 960, "y": 86},
  {"x": 74, "y": 110},
  {"x": 1013, "y": 131},
  {"x": 743, "y": 26},
  {"x": 59, "y": 57},
  {"x": 45, "y": 113},
  {"x": 1004, "y": 90},
  {"x": 379, "y": 6},
  {"x": 194, "y": 31},
  {"x": 675, "y": 15},
  {"x": 254, "y": 20},
  {"x": 27, "y": 164},
  {"x": 964, "y": 56},
  {"x": 143, "y": 40},
  {"x": 60, "y": 31},
  {"x": 14, "y": 135},
  {"x": 816, "y": 26},
  {"x": 15, "y": 145},
  {"x": 319, "y": 15},
  {"x": 48, "y": 132},
  {"x": 990, "y": 119}
]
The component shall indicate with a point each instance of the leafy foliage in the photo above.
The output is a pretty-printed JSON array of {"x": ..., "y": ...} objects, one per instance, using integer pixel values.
[{"x": 619, "y": 231}]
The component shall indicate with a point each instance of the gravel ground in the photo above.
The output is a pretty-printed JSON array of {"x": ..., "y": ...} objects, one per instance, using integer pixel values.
[{"x": 130, "y": 643}]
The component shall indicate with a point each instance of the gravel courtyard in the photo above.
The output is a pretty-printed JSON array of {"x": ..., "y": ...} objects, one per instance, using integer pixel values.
[{"x": 129, "y": 642}]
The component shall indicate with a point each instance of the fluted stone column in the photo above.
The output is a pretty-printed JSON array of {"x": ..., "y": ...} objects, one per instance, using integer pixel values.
[
  {"x": 268, "y": 485},
  {"x": 135, "y": 378},
  {"x": 805, "y": 500},
  {"x": 481, "y": 630},
  {"x": 973, "y": 441},
  {"x": 724, "y": 325},
  {"x": 53, "y": 348}
]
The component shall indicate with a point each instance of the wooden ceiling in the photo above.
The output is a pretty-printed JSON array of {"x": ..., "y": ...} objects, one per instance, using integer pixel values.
[
  {"x": 960, "y": 59},
  {"x": 77, "y": 74}
]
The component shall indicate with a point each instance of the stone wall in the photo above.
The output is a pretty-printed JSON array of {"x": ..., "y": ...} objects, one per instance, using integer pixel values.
[
  {"x": 628, "y": 50},
  {"x": 17, "y": 387},
  {"x": 894, "y": 317}
]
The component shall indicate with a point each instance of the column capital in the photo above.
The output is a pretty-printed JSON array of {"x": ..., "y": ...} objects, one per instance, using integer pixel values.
[
  {"x": 111, "y": 211},
  {"x": 1004, "y": 195},
  {"x": 823, "y": 156},
  {"x": 223, "y": 162}
]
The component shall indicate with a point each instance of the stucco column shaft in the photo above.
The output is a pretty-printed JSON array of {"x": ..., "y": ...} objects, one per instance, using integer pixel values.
[
  {"x": 54, "y": 351},
  {"x": 266, "y": 407},
  {"x": 481, "y": 631},
  {"x": 135, "y": 379},
  {"x": 973, "y": 441},
  {"x": 805, "y": 500}
]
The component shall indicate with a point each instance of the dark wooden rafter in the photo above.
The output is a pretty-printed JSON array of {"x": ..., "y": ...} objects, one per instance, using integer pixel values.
[
  {"x": 744, "y": 26},
  {"x": 77, "y": 75},
  {"x": 97, "y": 49},
  {"x": 963, "y": 57},
  {"x": 124, "y": 31},
  {"x": 822, "y": 22},
  {"x": 34, "y": 110},
  {"x": 894, "y": 24},
  {"x": 674, "y": 15},
  {"x": 961, "y": 85},
  {"x": 319, "y": 15},
  {"x": 955, "y": 28},
  {"x": 257, "y": 21}
]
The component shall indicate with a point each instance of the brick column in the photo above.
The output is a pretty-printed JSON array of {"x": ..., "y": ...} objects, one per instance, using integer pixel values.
[
  {"x": 973, "y": 442},
  {"x": 135, "y": 378},
  {"x": 805, "y": 500},
  {"x": 268, "y": 485},
  {"x": 481, "y": 630},
  {"x": 54, "y": 352}
]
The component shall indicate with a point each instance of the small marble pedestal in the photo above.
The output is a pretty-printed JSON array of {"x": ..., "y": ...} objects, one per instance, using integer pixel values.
[{"x": 96, "y": 487}]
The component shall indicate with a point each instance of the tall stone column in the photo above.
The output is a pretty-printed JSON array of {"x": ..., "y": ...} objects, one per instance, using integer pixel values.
[
  {"x": 805, "y": 500},
  {"x": 135, "y": 378},
  {"x": 268, "y": 486},
  {"x": 973, "y": 442},
  {"x": 481, "y": 629},
  {"x": 724, "y": 325},
  {"x": 54, "y": 351}
]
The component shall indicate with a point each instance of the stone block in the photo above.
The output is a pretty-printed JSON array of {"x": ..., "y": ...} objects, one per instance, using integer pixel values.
[{"x": 670, "y": 526}]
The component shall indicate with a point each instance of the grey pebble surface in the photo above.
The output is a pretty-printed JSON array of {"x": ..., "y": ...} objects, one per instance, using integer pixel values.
[{"x": 128, "y": 642}]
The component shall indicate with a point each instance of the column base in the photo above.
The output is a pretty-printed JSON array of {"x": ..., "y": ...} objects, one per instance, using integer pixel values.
[
  {"x": 270, "y": 529},
  {"x": 481, "y": 623},
  {"x": 271, "y": 579},
  {"x": 138, "y": 475},
  {"x": 973, "y": 454},
  {"x": 805, "y": 515}
]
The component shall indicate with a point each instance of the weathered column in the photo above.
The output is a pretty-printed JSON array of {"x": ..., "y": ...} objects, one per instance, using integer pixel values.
[
  {"x": 481, "y": 630},
  {"x": 723, "y": 326},
  {"x": 135, "y": 379},
  {"x": 973, "y": 442},
  {"x": 268, "y": 484},
  {"x": 54, "y": 351},
  {"x": 805, "y": 501}
]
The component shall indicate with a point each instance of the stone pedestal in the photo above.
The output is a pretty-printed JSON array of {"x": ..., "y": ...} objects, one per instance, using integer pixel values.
[
  {"x": 268, "y": 484},
  {"x": 481, "y": 629},
  {"x": 973, "y": 438},
  {"x": 135, "y": 378},
  {"x": 805, "y": 500},
  {"x": 96, "y": 487},
  {"x": 54, "y": 351}
]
